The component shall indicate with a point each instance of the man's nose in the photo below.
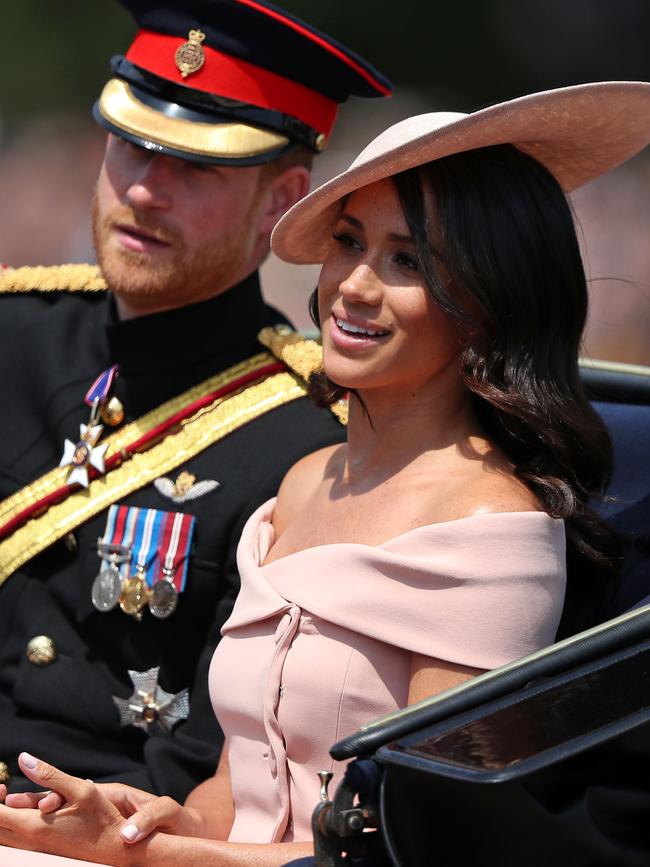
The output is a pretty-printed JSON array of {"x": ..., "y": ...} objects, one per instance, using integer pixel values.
[
  {"x": 362, "y": 286},
  {"x": 153, "y": 184}
]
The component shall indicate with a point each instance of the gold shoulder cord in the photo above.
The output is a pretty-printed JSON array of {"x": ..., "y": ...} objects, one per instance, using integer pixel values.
[
  {"x": 52, "y": 278},
  {"x": 303, "y": 355}
]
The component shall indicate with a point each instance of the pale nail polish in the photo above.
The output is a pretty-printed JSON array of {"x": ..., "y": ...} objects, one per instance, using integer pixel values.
[
  {"x": 130, "y": 832},
  {"x": 29, "y": 761}
]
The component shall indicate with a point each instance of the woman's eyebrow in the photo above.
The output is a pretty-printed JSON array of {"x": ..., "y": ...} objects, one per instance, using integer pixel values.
[
  {"x": 352, "y": 221},
  {"x": 400, "y": 239}
]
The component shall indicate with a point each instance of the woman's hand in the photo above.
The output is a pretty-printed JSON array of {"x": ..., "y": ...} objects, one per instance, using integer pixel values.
[
  {"x": 127, "y": 799},
  {"x": 162, "y": 814},
  {"x": 146, "y": 812},
  {"x": 86, "y": 826}
]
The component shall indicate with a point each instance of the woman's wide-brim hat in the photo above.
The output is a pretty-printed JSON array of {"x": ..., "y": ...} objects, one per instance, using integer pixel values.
[{"x": 577, "y": 132}]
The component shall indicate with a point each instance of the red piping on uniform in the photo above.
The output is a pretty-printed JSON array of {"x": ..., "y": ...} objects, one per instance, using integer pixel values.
[
  {"x": 225, "y": 75},
  {"x": 141, "y": 444},
  {"x": 304, "y": 31}
]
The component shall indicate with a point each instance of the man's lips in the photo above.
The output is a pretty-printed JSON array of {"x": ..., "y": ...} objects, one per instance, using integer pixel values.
[{"x": 139, "y": 240}]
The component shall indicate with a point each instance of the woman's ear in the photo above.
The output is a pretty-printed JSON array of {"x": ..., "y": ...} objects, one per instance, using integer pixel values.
[{"x": 283, "y": 191}]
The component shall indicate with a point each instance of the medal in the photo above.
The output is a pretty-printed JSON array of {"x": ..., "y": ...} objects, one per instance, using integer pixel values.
[
  {"x": 107, "y": 586},
  {"x": 135, "y": 590},
  {"x": 85, "y": 453},
  {"x": 106, "y": 589},
  {"x": 176, "y": 542},
  {"x": 164, "y": 597},
  {"x": 158, "y": 544},
  {"x": 134, "y": 596},
  {"x": 150, "y": 708}
]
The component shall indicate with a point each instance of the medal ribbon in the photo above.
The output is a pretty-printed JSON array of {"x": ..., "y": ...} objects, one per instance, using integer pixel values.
[
  {"x": 148, "y": 524},
  {"x": 176, "y": 542},
  {"x": 130, "y": 527},
  {"x": 113, "y": 535},
  {"x": 100, "y": 388}
]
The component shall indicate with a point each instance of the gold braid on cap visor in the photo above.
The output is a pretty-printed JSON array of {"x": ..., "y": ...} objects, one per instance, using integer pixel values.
[{"x": 118, "y": 105}]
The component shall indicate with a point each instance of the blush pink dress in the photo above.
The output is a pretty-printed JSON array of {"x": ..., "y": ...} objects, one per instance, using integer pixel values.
[{"x": 319, "y": 642}]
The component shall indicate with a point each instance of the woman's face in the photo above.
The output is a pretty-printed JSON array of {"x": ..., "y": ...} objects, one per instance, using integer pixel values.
[{"x": 381, "y": 328}]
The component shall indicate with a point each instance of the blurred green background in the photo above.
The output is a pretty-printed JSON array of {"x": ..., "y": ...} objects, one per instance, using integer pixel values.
[
  {"x": 459, "y": 55},
  {"x": 55, "y": 51}
]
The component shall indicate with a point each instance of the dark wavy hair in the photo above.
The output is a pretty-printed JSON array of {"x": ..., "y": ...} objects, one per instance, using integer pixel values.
[{"x": 518, "y": 292}]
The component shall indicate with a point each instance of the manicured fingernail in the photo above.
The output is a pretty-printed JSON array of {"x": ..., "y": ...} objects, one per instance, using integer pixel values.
[
  {"x": 130, "y": 832},
  {"x": 29, "y": 761}
]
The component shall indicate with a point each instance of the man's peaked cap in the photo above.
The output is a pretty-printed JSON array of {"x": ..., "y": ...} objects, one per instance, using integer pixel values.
[{"x": 229, "y": 81}]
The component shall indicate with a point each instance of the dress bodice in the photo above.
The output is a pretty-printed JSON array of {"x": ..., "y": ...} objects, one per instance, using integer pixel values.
[{"x": 320, "y": 641}]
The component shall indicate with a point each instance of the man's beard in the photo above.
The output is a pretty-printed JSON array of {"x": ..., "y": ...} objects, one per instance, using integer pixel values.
[{"x": 181, "y": 275}]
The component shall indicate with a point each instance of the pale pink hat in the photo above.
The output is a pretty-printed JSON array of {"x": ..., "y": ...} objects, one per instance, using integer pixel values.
[{"x": 577, "y": 132}]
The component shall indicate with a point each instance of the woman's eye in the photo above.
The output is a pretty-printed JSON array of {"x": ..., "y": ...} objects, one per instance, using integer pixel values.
[
  {"x": 346, "y": 240},
  {"x": 404, "y": 260}
]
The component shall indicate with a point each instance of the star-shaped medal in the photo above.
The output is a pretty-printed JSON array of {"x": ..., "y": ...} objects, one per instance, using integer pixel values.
[
  {"x": 150, "y": 708},
  {"x": 83, "y": 454}
]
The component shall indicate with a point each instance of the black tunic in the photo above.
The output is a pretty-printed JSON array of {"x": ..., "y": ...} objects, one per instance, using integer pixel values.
[{"x": 52, "y": 347}]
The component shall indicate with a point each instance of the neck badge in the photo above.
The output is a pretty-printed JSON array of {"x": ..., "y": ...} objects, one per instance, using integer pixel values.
[
  {"x": 85, "y": 452},
  {"x": 150, "y": 708}
]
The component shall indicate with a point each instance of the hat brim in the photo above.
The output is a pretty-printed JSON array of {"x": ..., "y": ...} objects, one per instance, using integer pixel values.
[
  {"x": 119, "y": 110},
  {"x": 577, "y": 133}
]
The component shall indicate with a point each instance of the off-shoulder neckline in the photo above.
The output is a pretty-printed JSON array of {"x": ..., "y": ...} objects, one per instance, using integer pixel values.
[{"x": 385, "y": 543}]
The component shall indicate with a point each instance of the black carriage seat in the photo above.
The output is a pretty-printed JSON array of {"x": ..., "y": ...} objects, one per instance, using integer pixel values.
[{"x": 621, "y": 395}]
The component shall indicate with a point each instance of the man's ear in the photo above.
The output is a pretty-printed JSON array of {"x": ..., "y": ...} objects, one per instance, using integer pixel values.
[{"x": 284, "y": 191}]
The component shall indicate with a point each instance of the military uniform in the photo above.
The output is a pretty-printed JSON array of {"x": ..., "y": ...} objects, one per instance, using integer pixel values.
[
  {"x": 211, "y": 420},
  {"x": 60, "y": 707}
]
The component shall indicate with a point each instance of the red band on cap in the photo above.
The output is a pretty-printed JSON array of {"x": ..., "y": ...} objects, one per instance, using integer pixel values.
[
  {"x": 314, "y": 37},
  {"x": 225, "y": 75}
]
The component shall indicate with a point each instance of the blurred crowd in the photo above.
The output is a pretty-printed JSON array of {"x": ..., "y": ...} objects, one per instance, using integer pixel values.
[{"x": 458, "y": 57}]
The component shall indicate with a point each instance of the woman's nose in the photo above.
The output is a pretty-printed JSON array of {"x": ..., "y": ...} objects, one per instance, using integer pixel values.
[
  {"x": 362, "y": 286},
  {"x": 152, "y": 186}
]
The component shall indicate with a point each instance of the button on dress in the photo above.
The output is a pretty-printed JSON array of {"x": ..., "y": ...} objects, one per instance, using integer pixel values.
[{"x": 320, "y": 642}]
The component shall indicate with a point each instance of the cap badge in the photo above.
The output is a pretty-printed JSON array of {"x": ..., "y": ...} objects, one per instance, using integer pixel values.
[{"x": 190, "y": 57}]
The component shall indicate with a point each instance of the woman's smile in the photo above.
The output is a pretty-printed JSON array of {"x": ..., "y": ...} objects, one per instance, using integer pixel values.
[
  {"x": 356, "y": 333},
  {"x": 381, "y": 326}
]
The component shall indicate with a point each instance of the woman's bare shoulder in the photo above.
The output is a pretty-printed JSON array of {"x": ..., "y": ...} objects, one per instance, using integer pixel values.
[
  {"x": 477, "y": 487},
  {"x": 302, "y": 481}
]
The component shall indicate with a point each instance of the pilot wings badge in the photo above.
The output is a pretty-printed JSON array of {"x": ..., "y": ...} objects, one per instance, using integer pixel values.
[{"x": 185, "y": 487}]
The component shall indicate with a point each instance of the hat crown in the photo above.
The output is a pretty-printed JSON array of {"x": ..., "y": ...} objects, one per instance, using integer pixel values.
[
  {"x": 576, "y": 132},
  {"x": 404, "y": 132}
]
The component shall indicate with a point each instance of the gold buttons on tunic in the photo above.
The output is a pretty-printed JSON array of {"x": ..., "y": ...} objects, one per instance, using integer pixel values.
[
  {"x": 41, "y": 650},
  {"x": 70, "y": 542},
  {"x": 5, "y": 776},
  {"x": 112, "y": 412}
]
